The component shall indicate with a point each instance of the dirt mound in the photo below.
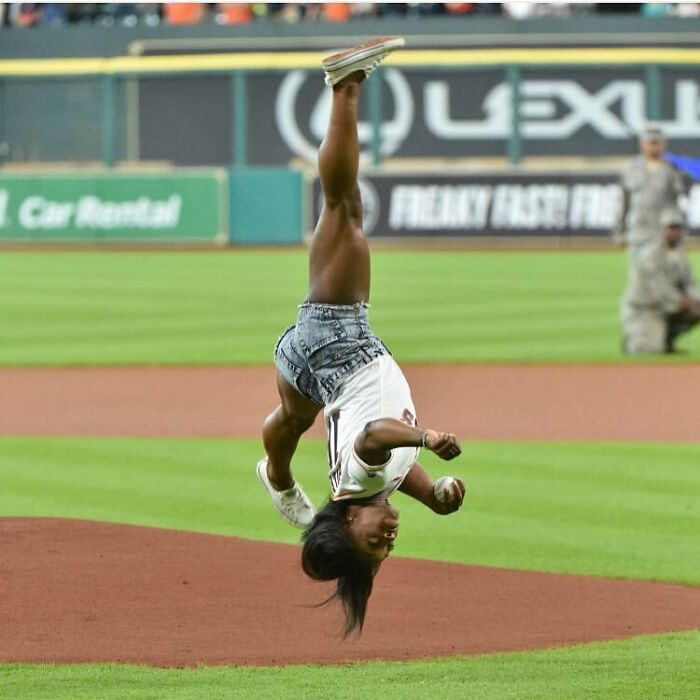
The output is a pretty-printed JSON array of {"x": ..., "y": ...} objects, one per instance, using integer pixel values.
[{"x": 80, "y": 591}]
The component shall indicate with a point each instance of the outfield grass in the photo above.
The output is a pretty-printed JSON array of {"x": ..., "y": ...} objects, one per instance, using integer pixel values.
[
  {"x": 623, "y": 510},
  {"x": 108, "y": 308},
  {"x": 645, "y": 668}
]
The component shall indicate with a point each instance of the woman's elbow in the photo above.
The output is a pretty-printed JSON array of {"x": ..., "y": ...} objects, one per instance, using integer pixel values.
[{"x": 368, "y": 438}]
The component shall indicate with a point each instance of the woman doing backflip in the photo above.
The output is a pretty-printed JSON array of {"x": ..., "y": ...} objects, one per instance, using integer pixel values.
[{"x": 331, "y": 360}]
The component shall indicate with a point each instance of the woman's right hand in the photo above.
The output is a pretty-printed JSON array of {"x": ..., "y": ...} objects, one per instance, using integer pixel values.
[{"x": 445, "y": 445}]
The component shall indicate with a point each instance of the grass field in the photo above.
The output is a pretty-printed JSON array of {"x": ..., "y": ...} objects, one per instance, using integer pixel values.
[
  {"x": 213, "y": 308},
  {"x": 662, "y": 667},
  {"x": 620, "y": 510},
  {"x": 612, "y": 509}
]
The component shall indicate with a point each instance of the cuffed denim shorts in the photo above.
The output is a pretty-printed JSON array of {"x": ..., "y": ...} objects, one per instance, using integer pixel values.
[{"x": 326, "y": 346}]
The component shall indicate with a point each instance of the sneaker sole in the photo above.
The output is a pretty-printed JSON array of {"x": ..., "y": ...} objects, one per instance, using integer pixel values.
[{"x": 362, "y": 52}]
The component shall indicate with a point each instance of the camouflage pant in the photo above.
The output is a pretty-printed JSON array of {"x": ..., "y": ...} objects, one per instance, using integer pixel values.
[
  {"x": 645, "y": 331},
  {"x": 641, "y": 242}
]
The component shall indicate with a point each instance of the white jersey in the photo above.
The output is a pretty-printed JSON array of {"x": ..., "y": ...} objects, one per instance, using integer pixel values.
[{"x": 378, "y": 390}]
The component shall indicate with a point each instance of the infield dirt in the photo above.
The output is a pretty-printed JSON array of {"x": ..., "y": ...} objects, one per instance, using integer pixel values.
[
  {"x": 489, "y": 402},
  {"x": 80, "y": 591}
]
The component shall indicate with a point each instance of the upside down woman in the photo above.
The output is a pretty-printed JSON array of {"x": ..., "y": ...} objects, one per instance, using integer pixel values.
[{"x": 331, "y": 361}]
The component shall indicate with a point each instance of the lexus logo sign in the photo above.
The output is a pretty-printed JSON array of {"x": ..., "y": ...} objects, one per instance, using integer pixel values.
[
  {"x": 304, "y": 133},
  {"x": 426, "y": 113}
]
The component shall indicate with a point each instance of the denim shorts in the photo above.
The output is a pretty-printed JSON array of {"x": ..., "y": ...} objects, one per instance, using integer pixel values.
[{"x": 327, "y": 344}]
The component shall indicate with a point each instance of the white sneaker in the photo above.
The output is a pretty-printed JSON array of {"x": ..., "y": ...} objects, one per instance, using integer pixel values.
[
  {"x": 365, "y": 57},
  {"x": 293, "y": 504}
]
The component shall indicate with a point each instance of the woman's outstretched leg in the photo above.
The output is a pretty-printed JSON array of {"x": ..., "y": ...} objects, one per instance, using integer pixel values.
[
  {"x": 339, "y": 270},
  {"x": 339, "y": 154}
]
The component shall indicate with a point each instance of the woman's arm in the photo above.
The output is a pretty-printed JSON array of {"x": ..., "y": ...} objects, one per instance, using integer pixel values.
[
  {"x": 419, "y": 485},
  {"x": 374, "y": 444}
]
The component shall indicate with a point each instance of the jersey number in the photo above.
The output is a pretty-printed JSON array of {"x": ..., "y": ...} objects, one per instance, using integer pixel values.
[{"x": 333, "y": 448}]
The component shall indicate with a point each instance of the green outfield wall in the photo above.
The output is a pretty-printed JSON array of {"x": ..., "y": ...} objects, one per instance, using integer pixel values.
[
  {"x": 94, "y": 206},
  {"x": 200, "y": 206}
]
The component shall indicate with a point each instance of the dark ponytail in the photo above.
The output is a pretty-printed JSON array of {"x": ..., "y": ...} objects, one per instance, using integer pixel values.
[{"x": 327, "y": 555}]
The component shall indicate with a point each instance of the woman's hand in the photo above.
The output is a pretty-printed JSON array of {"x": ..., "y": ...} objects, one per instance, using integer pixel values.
[
  {"x": 443, "y": 497},
  {"x": 448, "y": 495},
  {"x": 445, "y": 445}
]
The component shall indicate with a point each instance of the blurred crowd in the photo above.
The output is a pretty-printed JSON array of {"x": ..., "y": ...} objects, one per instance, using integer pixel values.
[{"x": 151, "y": 14}]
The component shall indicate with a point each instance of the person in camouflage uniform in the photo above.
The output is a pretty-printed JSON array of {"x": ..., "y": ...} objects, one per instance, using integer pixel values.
[
  {"x": 649, "y": 186},
  {"x": 662, "y": 299}
]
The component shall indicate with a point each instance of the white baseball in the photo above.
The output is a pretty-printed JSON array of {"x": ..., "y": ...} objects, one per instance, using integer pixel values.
[{"x": 446, "y": 489}]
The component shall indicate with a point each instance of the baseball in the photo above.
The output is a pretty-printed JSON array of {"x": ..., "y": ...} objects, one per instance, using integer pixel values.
[{"x": 447, "y": 489}]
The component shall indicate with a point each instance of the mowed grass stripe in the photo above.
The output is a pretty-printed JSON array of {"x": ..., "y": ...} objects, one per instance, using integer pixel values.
[
  {"x": 621, "y": 510},
  {"x": 137, "y": 331},
  {"x": 642, "y": 668},
  {"x": 130, "y": 308}
]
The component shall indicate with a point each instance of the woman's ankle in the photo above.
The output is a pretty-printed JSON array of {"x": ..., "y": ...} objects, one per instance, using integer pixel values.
[{"x": 279, "y": 482}]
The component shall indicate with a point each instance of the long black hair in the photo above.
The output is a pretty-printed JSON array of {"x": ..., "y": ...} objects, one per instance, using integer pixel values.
[{"x": 327, "y": 554}]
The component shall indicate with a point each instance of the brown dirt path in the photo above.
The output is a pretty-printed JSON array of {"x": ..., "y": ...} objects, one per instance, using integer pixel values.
[
  {"x": 78, "y": 591},
  {"x": 489, "y": 402}
]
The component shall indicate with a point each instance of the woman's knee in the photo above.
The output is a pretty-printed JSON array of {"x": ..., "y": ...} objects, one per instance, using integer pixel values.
[
  {"x": 346, "y": 204},
  {"x": 291, "y": 422},
  {"x": 297, "y": 423}
]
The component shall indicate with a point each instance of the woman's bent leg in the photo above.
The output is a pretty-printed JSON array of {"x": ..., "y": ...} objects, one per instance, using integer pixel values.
[{"x": 282, "y": 430}]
